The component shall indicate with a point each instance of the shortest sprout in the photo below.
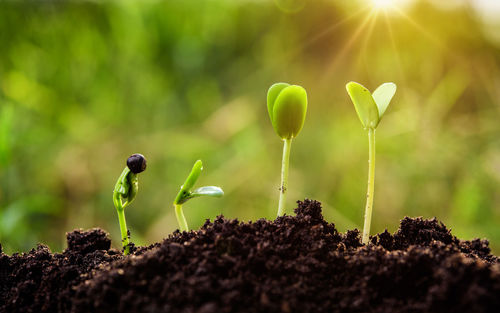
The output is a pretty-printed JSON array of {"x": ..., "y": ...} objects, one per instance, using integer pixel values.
[
  {"x": 125, "y": 191},
  {"x": 186, "y": 193}
]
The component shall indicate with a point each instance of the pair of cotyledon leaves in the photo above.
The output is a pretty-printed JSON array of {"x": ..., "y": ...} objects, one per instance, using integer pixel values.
[
  {"x": 186, "y": 193},
  {"x": 287, "y": 106},
  {"x": 371, "y": 107}
]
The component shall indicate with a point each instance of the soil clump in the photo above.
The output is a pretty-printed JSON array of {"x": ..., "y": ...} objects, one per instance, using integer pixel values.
[{"x": 293, "y": 264}]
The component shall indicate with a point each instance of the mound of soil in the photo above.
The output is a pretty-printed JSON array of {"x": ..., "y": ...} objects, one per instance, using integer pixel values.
[{"x": 293, "y": 264}]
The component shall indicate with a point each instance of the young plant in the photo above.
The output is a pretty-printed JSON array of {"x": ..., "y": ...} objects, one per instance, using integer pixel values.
[
  {"x": 125, "y": 191},
  {"x": 370, "y": 109},
  {"x": 185, "y": 194},
  {"x": 287, "y": 106}
]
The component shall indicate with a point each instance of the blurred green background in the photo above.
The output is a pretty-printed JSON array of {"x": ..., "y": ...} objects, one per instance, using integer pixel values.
[{"x": 85, "y": 84}]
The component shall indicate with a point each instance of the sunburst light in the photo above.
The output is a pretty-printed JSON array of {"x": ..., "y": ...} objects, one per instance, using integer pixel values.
[{"x": 383, "y": 4}]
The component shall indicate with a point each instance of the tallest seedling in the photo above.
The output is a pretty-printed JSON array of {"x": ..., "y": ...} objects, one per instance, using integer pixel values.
[
  {"x": 370, "y": 109},
  {"x": 287, "y": 106}
]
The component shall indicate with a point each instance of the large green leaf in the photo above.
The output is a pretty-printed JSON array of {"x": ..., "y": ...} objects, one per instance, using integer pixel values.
[
  {"x": 383, "y": 96},
  {"x": 289, "y": 111},
  {"x": 364, "y": 104},
  {"x": 272, "y": 94}
]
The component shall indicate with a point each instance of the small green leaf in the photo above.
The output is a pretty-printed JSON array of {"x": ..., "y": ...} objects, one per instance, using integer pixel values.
[
  {"x": 288, "y": 110},
  {"x": 189, "y": 183},
  {"x": 209, "y": 191},
  {"x": 272, "y": 94},
  {"x": 364, "y": 104},
  {"x": 382, "y": 96},
  {"x": 193, "y": 176}
]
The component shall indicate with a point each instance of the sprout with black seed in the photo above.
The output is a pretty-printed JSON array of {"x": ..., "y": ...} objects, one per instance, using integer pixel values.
[
  {"x": 186, "y": 193},
  {"x": 287, "y": 107},
  {"x": 370, "y": 108},
  {"x": 125, "y": 192}
]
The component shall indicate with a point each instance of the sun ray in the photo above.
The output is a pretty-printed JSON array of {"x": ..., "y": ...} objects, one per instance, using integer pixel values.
[
  {"x": 292, "y": 54},
  {"x": 348, "y": 45},
  {"x": 395, "y": 50},
  {"x": 432, "y": 38},
  {"x": 333, "y": 27},
  {"x": 361, "y": 59},
  {"x": 397, "y": 58},
  {"x": 421, "y": 29}
]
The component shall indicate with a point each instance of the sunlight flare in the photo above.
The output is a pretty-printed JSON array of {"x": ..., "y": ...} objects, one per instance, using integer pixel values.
[
  {"x": 382, "y": 4},
  {"x": 390, "y": 5}
]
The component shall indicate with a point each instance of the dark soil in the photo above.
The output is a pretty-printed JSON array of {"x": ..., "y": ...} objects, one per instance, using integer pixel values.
[{"x": 294, "y": 264}]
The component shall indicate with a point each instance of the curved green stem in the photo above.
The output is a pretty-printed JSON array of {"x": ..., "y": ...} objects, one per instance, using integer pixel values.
[
  {"x": 287, "y": 145},
  {"x": 123, "y": 231},
  {"x": 371, "y": 186},
  {"x": 181, "y": 219},
  {"x": 126, "y": 185}
]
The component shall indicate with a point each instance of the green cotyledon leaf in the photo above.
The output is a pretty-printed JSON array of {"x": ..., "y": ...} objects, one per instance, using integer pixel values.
[
  {"x": 364, "y": 104},
  {"x": 209, "y": 191},
  {"x": 190, "y": 181},
  {"x": 382, "y": 96},
  {"x": 272, "y": 94},
  {"x": 289, "y": 111}
]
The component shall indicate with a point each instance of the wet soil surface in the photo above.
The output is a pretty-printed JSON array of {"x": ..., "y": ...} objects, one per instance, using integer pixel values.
[{"x": 293, "y": 264}]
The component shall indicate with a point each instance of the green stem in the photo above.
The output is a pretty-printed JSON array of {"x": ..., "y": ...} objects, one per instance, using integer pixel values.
[
  {"x": 371, "y": 185},
  {"x": 284, "y": 175},
  {"x": 181, "y": 219},
  {"x": 123, "y": 229},
  {"x": 123, "y": 187}
]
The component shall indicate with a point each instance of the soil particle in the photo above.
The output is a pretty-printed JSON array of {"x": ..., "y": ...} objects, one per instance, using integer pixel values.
[{"x": 293, "y": 264}]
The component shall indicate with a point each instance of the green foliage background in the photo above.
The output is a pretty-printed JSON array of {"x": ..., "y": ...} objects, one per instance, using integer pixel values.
[{"x": 85, "y": 84}]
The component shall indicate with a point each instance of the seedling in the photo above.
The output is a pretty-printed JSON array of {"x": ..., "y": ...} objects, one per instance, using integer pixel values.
[
  {"x": 125, "y": 191},
  {"x": 370, "y": 109},
  {"x": 185, "y": 194},
  {"x": 287, "y": 106}
]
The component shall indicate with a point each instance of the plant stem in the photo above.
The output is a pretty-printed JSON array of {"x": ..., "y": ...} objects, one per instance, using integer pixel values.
[
  {"x": 371, "y": 185},
  {"x": 123, "y": 229},
  {"x": 284, "y": 175},
  {"x": 181, "y": 219}
]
